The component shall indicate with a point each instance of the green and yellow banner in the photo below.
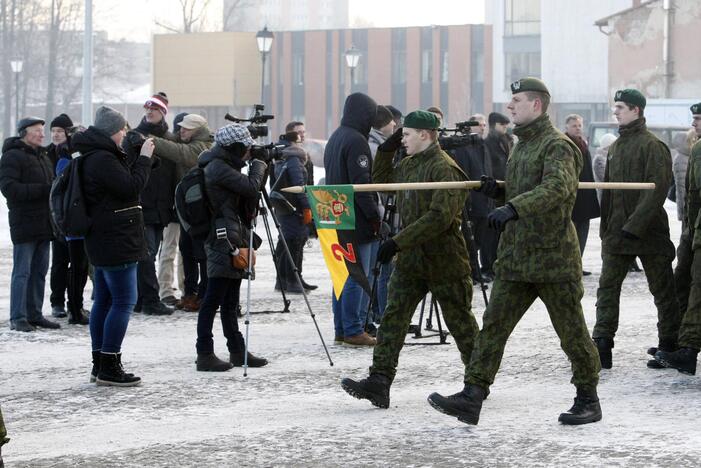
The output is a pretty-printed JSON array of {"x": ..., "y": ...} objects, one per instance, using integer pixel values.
[{"x": 334, "y": 217}]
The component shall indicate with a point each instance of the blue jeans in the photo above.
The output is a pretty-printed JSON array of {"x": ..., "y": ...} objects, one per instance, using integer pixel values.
[
  {"x": 115, "y": 297},
  {"x": 349, "y": 311},
  {"x": 30, "y": 262}
]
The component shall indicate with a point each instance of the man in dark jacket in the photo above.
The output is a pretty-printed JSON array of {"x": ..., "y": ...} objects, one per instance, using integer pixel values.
[
  {"x": 347, "y": 160},
  {"x": 499, "y": 143},
  {"x": 586, "y": 205},
  {"x": 25, "y": 181}
]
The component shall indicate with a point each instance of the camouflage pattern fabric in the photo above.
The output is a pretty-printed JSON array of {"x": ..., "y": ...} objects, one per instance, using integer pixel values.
[
  {"x": 682, "y": 271},
  {"x": 690, "y": 330},
  {"x": 508, "y": 302},
  {"x": 660, "y": 278},
  {"x": 3, "y": 431}
]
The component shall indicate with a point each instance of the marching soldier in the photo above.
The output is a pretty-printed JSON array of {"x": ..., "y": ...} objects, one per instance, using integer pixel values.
[
  {"x": 431, "y": 252},
  {"x": 634, "y": 224},
  {"x": 538, "y": 257}
]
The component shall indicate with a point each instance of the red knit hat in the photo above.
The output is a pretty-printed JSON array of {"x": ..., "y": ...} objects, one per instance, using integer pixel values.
[{"x": 158, "y": 101}]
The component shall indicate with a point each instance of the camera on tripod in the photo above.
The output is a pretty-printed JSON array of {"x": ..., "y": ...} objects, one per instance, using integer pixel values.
[
  {"x": 258, "y": 120},
  {"x": 459, "y": 137},
  {"x": 267, "y": 153}
]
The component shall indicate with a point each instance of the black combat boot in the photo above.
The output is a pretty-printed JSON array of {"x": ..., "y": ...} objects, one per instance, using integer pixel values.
[
  {"x": 211, "y": 363},
  {"x": 586, "y": 409},
  {"x": 95, "y": 366},
  {"x": 111, "y": 372},
  {"x": 665, "y": 345},
  {"x": 604, "y": 346},
  {"x": 375, "y": 388},
  {"x": 683, "y": 359},
  {"x": 253, "y": 361},
  {"x": 465, "y": 405}
]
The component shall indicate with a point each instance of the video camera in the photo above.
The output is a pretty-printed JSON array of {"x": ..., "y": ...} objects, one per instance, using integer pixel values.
[
  {"x": 257, "y": 127},
  {"x": 458, "y": 137},
  {"x": 267, "y": 153}
]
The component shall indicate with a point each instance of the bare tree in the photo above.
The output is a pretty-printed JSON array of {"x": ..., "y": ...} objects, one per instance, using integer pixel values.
[
  {"x": 232, "y": 19},
  {"x": 194, "y": 17}
]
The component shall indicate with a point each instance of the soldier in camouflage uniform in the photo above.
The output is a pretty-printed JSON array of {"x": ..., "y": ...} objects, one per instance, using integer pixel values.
[
  {"x": 431, "y": 252},
  {"x": 684, "y": 358},
  {"x": 634, "y": 224},
  {"x": 538, "y": 257}
]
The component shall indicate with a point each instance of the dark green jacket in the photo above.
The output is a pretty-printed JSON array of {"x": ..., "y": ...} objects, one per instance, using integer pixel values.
[
  {"x": 637, "y": 156},
  {"x": 542, "y": 175},
  {"x": 431, "y": 244},
  {"x": 184, "y": 155},
  {"x": 693, "y": 195}
]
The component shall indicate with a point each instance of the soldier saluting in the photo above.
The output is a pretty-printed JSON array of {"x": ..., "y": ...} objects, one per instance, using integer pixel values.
[{"x": 538, "y": 257}]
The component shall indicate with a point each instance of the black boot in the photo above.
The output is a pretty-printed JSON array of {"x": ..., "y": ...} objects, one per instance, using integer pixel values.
[
  {"x": 95, "y": 366},
  {"x": 253, "y": 361},
  {"x": 586, "y": 409},
  {"x": 665, "y": 345},
  {"x": 157, "y": 308},
  {"x": 307, "y": 286},
  {"x": 111, "y": 372},
  {"x": 77, "y": 317},
  {"x": 604, "y": 346},
  {"x": 375, "y": 388},
  {"x": 465, "y": 405},
  {"x": 211, "y": 363},
  {"x": 683, "y": 359}
]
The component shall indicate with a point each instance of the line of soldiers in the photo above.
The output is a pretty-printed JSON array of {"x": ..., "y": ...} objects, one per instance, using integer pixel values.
[{"x": 538, "y": 254}]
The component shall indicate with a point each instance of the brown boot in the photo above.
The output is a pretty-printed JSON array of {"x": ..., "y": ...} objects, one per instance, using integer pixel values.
[
  {"x": 363, "y": 339},
  {"x": 180, "y": 305},
  {"x": 193, "y": 305}
]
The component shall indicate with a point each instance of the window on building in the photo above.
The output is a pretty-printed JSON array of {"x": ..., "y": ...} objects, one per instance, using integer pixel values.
[
  {"x": 426, "y": 66},
  {"x": 520, "y": 64},
  {"x": 522, "y": 17},
  {"x": 399, "y": 67},
  {"x": 444, "y": 67},
  {"x": 298, "y": 69}
]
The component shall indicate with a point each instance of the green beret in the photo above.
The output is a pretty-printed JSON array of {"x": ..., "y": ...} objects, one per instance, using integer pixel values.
[
  {"x": 421, "y": 120},
  {"x": 529, "y": 84},
  {"x": 632, "y": 97},
  {"x": 696, "y": 108}
]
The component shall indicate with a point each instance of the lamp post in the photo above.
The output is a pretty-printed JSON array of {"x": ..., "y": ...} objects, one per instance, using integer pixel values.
[
  {"x": 264, "y": 38},
  {"x": 16, "y": 65},
  {"x": 352, "y": 59}
]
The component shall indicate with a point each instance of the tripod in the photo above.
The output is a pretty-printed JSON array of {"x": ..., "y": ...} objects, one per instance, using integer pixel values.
[{"x": 416, "y": 329}]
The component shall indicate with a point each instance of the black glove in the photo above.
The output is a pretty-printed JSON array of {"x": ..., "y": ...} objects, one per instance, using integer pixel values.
[
  {"x": 393, "y": 143},
  {"x": 490, "y": 187},
  {"x": 498, "y": 218},
  {"x": 629, "y": 235},
  {"x": 387, "y": 250}
]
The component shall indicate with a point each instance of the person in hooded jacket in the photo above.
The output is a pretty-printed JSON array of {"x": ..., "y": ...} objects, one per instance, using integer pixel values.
[
  {"x": 112, "y": 185},
  {"x": 347, "y": 160},
  {"x": 233, "y": 198}
]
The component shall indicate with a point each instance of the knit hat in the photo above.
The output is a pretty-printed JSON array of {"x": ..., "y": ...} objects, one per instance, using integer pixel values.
[
  {"x": 382, "y": 118},
  {"x": 696, "y": 108},
  {"x": 631, "y": 97},
  {"x": 529, "y": 83},
  {"x": 62, "y": 121},
  {"x": 193, "y": 121},
  {"x": 497, "y": 118},
  {"x": 158, "y": 101},
  {"x": 233, "y": 133},
  {"x": 421, "y": 120},
  {"x": 109, "y": 120}
]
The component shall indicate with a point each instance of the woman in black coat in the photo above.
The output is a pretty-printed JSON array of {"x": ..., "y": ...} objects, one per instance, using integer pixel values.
[
  {"x": 233, "y": 198},
  {"x": 115, "y": 242}
]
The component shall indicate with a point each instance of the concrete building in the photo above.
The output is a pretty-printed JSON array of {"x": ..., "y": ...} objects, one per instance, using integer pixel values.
[
  {"x": 285, "y": 15},
  {"x": 558, "y": 42}
]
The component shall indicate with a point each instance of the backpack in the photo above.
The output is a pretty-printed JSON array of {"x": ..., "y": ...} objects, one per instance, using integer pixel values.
[
  {"x": 69, "y": 213},
  {"x": 191, "y": 204}
]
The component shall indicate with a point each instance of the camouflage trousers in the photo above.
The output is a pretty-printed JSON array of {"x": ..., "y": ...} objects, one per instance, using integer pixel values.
[
  {"x": 682, "y": 272},
  {"x": 406, "y": 290},
  {"x": 690, "y": 328},
  {"x": 3, "y": 431},
  {"x": 508, "y": 302},
  {"x": 660, "y": 280}
]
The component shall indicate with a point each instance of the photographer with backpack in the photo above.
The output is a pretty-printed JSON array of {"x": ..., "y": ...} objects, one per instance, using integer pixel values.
[
  {"x": 233, "y": 201},
  {"x": 115, "y": 241}
]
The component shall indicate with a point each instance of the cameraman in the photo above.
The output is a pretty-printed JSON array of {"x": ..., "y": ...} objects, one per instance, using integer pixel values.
[{"x": 233, "y": 198}]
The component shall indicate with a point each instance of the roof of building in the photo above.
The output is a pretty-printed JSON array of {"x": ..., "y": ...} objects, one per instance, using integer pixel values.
[{"x": 604, "y": 21}]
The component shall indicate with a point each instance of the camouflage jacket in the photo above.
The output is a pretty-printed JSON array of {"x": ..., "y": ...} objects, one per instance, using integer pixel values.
[
  {"x": 692, "y": 209},
  {"x": 542, "y": 175},
  {"x": 430, "y": 243},
  {"x": 637, "y": 156}
]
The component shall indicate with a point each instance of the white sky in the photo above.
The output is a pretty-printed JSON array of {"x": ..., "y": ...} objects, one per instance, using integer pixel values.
[{"x": 135, "y": 19}]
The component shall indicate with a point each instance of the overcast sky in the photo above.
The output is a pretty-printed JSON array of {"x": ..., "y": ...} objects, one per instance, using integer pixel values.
[{"x": 135, "y": 19}]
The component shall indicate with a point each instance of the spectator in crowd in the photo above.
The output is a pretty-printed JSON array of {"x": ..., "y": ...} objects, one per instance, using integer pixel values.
[
  {"x": 586, "y": 205},
  {"x": 233, "y": 197},
  {"x": 396, "y": 115},
  {"x": 382, "y": 128},
  {"x": 115, "y": 243},
  {"x": 599, "y": 160},
  {"x": 58, "y": 281},
  {"x": 499, "y": 143},
  {"x": 26, "y": 174},
  {"x": 435, "y": 110},
  {"x": 300, "y": 129},
  {"x": 347, "y": 160},
  {"x": 681, "y": 149},
  {"x": 481, "y": 130}
]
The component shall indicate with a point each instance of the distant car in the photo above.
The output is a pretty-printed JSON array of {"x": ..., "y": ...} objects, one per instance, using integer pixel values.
[{"x": 599, "y": 129}]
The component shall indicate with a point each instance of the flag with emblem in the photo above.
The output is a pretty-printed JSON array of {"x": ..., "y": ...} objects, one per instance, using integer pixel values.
[{"x": 334, "y": 217}]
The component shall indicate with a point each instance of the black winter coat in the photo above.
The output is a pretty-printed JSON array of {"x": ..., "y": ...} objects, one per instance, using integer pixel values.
[
  {"x": 586, "y": 205},
  {"x": 347, "y": 160},
  {"x": 291, "y": 171},
  {"x": 499, "y": 147},
  {"x": 112, "y": 187},
  {"x": 475, "y": 161},
  {"x": 25, "y": 181},
  {"x": 232, "y": 197}
]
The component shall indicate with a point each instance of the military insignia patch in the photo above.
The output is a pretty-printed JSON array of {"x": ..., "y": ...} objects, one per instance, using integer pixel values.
[
  {"x": 516, "y": 85},
  {"x": 618, "y": 95},
  {"x": 363, "y": 161}
]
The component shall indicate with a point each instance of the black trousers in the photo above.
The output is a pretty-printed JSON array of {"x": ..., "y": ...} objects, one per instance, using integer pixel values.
[
  {"x": 77, "y": 274},
  {"x": 285, "y": 270},
  {"x": 222, "y": 292},
  {"x": 487, "y": 240},
  {"x": 59, "y": 272},
  {"x": 147, "y": 280},
  {"x": 194, "y": 265},
  {"x": 582, "y": 228}
]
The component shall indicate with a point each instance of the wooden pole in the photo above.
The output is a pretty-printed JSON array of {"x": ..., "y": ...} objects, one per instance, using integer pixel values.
[{"x": 472, "y": 184}]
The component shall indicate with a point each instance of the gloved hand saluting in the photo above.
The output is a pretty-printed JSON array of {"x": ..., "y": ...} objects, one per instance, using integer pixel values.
[
  {"x": 387, "y": 250},
  {"x": 498, "y": 218},
  {"x": 490, "y": 187},
  {"x": 393, "y": 143}
]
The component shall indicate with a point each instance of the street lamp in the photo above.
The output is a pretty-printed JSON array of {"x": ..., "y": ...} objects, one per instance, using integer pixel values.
[
  {"x": 16, "y": 65},
  {"x": 352, "y": 59},
  {"x": 264, "y": 38}
]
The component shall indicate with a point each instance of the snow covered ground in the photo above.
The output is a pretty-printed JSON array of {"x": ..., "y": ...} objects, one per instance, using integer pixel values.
[{"x": 294, "y": 413}]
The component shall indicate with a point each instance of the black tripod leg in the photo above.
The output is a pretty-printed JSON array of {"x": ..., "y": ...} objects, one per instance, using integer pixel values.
[
  {"x": 441, "y": 334},
  {"x": 429, "y": 320},
  {"x": 373, "y": 290}
]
